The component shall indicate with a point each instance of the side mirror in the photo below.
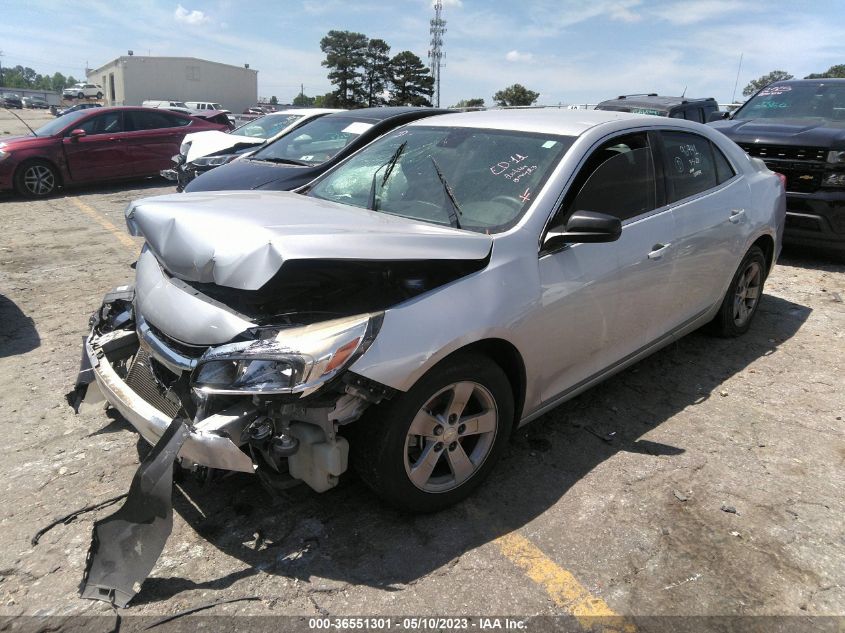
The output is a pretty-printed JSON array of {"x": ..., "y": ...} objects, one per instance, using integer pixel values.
[
  {"x": 583, "y": 227},
  {"x": 717, "y": 115},
  {"x": 77, "y": 134}
]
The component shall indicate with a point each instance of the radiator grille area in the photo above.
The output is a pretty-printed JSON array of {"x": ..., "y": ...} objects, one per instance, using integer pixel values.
[{"x": 142, "y": 381}]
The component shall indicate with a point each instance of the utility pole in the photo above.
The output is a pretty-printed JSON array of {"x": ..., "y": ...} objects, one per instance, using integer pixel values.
[{"x": 435, "y": 53}]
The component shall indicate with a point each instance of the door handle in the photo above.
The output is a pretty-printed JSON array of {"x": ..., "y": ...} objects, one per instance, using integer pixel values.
[
  {"x": 736, "y": 215},
  {"x": 658, "y": 250}
]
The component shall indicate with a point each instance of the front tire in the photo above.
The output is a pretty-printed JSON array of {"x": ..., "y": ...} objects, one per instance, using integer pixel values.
[
  {"x": 432, "y": 446},
  {"x": 743, "y": 296},
  {"x": 99, "y": 95},
  {"x": 36, "y": 179},
  {"x": 80, "y": 95}
]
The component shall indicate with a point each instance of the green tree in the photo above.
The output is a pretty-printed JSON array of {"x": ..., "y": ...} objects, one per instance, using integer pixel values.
[
  {"x": 303, "y": 100},
  {"x": 515, "y": 95},
  {"x": 412, "y": 83},
  {"x": 70, "y": 81},
  {"x": 328, "y": 100},
  {"x": 345, "y": 53},
  {"x": 58, "y": 82},
  {"x": 376, "y": 71},
  {"x": 470, "y": 103},
  {"x": 837, "y": 71},
  {"x": 274, "y": 100},
  {"x": 761, "y": 82}
]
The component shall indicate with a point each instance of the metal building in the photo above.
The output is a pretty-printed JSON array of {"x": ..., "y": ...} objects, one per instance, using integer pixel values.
[{"x": 132, "y": 79}]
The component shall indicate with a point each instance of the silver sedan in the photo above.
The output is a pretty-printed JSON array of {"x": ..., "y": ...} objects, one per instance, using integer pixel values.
[{"x": 455, "y": 279}]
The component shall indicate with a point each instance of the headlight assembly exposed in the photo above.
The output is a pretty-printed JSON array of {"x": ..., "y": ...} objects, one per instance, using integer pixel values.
[
  {"x": 295, "y": 360},
  {"x": 184, "y": 147},
  {"x": 213, "y": 161},
  {"x": 836, "y": 156}
]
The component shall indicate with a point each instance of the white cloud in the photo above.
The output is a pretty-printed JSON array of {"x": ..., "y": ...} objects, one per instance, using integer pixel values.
[
  {"x": 684, "y": 13},
  {"x": 516, "y": 56},
  {"x": 192, "y": 18}
]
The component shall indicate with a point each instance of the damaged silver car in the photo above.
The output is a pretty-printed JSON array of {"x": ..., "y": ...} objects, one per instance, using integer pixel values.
[{"x": 453, "y": 280}]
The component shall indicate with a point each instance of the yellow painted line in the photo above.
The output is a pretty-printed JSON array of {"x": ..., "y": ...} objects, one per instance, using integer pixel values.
[
  {"x": 121, "y": 235},
  {"x": 561, "y": 586}
]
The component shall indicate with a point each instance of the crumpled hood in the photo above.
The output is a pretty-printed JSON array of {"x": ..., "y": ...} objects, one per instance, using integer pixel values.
[
  {"x": 240, "y": 239},
  {"x": 211, "y": 141},
  {"x": 799, "y": 132}
]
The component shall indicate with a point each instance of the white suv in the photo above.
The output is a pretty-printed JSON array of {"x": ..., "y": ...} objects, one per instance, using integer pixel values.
[{"x": 80, "y": 91}]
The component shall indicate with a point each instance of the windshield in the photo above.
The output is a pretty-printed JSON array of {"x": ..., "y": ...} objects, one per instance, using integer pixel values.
[
  {"x": 481, "y": 180},
  {"x": 57, "y": 125},
  {"x": 266, "y": 126},
  {"x": 315, "y": 142},
  {"x": 796, "y": 101}
]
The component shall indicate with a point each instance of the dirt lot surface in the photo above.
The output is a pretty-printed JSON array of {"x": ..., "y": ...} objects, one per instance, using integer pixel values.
[{"x": 707, "y": 480}]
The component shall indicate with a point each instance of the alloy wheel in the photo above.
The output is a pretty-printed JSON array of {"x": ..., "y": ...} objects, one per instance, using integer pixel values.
[
  {"x": 39, "y": 180},
  {"x": 747, "y": 293},
  {"x": 450, "y": 437}
]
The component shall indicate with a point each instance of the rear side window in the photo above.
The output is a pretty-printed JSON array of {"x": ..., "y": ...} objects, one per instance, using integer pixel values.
[
  {"x": 724, "y": 171},
  {"x": 153, "y": 120},
  {"x": 618, "y": 179},
  {"x": 690, "y": 168}
]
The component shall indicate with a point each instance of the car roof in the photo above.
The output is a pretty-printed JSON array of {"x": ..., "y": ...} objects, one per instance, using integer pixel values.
[
  {"x": 306, "y": 111},
  {"x": 542, "y": 120},
  {"x": 653, "y": 101},
  {"x": 383, "y": 114}
]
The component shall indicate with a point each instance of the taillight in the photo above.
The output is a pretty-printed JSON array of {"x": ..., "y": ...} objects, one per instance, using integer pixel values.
[{"x": 782, "y": 178}]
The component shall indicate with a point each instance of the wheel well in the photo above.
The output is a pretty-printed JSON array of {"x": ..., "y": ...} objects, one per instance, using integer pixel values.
[
  {"x": 506, "y": 356},
  {"x": 29, "y": 161},
  {"x": 767, "y": 245}
]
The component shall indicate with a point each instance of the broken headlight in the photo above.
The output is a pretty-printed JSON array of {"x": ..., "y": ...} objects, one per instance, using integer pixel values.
[
  {"x": 293, "y": 360},
  {"x": 213, "y": 161},
  {"x": 184, "y": 147}
]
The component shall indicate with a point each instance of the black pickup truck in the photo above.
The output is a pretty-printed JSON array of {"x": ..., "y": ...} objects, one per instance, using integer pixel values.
[{"x": 798, "y": 128}]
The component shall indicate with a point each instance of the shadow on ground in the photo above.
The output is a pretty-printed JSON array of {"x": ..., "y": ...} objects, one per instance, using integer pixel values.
[
  {"x": 347, "y": 535},
  {"x": 17, "y": 331}
]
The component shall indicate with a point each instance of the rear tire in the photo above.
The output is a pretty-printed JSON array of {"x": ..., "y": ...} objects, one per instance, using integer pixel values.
[
  {"x": 432, "y": 446},
  {"x": 99, "y": 95},
  {"x": 743, "y": 296},
  {"x": 36, "y": 179}
]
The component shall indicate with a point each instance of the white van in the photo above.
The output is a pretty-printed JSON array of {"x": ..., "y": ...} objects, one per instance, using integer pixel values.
[
  {"x": 204, "y": 105},
  {"x": 175, "y": 106}
]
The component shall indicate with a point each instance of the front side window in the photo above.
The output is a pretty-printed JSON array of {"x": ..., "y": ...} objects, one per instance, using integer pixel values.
[
  {"x": 475, "y": 179},
  {"x": 689, "y": 164},
  {"x": 618, "y": 179},
  {"x": 108, "y": 123},
  {"x": 315, "y": 142}
]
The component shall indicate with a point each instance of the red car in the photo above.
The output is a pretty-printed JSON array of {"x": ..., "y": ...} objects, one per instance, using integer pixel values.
[{"x": 94, "y": 145}]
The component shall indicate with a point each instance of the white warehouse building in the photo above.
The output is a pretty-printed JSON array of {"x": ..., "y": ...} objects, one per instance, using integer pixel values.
[{"x": 132, "y": 79}]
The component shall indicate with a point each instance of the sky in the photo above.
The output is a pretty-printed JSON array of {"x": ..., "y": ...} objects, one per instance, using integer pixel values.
[{"x": 570, "y": 51}]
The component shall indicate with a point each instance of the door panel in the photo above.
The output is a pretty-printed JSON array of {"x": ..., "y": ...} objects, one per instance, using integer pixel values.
[
  {"x": 710, "y": 224},
  {"x": 153, "y": 140},
  {"x": 602, "y": 302},
  {"x": 102, "y": 153}
]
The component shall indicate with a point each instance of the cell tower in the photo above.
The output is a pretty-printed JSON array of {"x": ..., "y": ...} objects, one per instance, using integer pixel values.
[{"x": 435, "y": 53}]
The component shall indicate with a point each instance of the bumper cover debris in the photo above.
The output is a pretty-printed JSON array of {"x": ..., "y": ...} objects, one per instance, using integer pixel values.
[{"x": 126, "y": 545}]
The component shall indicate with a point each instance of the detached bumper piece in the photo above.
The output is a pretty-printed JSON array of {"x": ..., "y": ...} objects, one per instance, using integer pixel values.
[{"x": 126, "y": 545}]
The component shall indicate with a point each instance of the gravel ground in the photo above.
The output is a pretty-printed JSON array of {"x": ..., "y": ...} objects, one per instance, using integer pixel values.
[{"x": 706, "y": 480}]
